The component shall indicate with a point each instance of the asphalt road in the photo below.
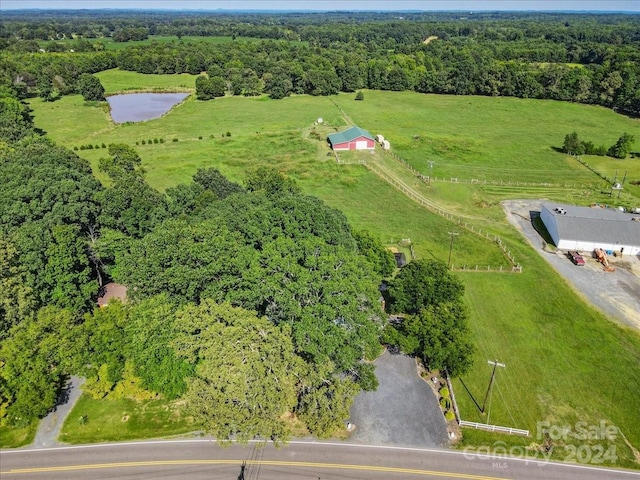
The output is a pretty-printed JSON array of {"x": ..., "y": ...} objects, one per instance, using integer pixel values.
[{"x": 203, "y": 459}]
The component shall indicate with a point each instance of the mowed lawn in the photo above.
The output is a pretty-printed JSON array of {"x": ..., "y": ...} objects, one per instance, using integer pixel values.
[{"x": 565, "y": 361}]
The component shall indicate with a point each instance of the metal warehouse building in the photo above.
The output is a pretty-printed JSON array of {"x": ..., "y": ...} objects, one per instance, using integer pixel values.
[{"x": 588, "y": 228}]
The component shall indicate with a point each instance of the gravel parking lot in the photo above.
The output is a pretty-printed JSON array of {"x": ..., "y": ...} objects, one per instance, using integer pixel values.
[{"x": 616, "y": 294}]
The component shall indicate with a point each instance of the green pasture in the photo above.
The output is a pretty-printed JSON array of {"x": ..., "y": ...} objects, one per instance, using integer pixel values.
[
  {"x": 109, "y": 420},
  {"x": 116, "y": 81},
  {"x": 487, "y": 138},
  {"x": 565, "y": 361}
]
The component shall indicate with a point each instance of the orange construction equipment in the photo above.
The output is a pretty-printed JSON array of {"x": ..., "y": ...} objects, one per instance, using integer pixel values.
[{"x": 601, "y": 255}]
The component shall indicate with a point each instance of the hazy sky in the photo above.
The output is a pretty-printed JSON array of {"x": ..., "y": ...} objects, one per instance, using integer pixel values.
[{"x": 470, "y": 5}]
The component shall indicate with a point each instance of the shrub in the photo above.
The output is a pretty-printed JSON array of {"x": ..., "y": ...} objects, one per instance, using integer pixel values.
[
  {"x": 359, "y": 96},
  {"x": 162, "y": 140},
  {"x": 444, "y": 392},
  {"x": 155, "y": 140},
  {"x": 103, "y": 145},
  {"x": 97, "y": 147},
  {"x": 75, "y": 147},
  {"x": 449, "y": 415},
  {"x": 228, "y": 134},
  {"x": 445, "y": 403},
  {"x": 150, "y": 142},
  {"x": 137, "y": 143},
  {"x": 174, "y": 140},
  {"x": 200, "y": 137},
  {"x": 144, "y": 142},
  {"x": 89, "y": 147},
  {"x": 82, "y": 147}
]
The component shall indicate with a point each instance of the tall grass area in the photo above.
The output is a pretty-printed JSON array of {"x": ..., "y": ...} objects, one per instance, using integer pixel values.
[
  {"x": 565, "y": 361},
  {"x": 13, "y": 437}
]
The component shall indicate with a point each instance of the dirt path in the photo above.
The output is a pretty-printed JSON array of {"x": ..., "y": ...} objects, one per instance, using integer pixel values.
[
  {"x": 616, "y": 294},
  {"x": 50, "y": 426}
]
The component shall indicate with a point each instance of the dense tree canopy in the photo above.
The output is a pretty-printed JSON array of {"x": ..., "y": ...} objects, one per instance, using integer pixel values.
[
  {"x": 436, "y": 325},
  {"x": 246, "y": 371}
]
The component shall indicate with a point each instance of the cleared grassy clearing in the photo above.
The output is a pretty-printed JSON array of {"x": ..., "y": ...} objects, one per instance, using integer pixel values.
[
  {"x": 565, "y": 361},
  {"x": 116, "y": 80},
  {"x": 117, "y": 420}
]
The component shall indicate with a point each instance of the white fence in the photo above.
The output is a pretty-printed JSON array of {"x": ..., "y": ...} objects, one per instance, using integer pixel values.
[{"x": 494, "y": 428}]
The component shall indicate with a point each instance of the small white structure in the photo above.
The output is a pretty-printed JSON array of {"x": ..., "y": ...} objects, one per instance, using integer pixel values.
[
  {"x": 379, "y": 139},
  {"x": 319, "y": 121},
  {"x": 386, "y": 145},
  {"x": 587, "y": 228}
]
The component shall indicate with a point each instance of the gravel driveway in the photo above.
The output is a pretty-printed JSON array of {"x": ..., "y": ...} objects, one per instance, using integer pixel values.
[
  {"x": 616, "y": 294},
  {"x": 402, "y": 412},
  {"x": 50, "y": 426}
]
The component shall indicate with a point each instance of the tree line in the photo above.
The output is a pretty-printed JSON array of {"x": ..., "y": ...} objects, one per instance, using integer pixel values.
[{"x": 581, "y": 58}]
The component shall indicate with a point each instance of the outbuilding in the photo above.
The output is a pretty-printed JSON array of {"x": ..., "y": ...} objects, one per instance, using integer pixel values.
[
  {"x": 589, "y": 228},
  {"x": 109, "y": 291},
  {"x": 354, "y": 138}
]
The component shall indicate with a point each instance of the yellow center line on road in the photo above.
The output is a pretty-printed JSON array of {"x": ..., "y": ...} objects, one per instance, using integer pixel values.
[{"x": 337, "y": 466}]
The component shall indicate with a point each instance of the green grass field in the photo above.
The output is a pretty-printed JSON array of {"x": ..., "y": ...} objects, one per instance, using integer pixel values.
[
  {"x": 125, "y": 419},
  {"x": 11, "y": 437},
  {"x": 565, "y": 361}
]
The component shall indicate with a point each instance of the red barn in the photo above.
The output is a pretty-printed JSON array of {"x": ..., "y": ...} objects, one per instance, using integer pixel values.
[{"x": 354, "y": 138}]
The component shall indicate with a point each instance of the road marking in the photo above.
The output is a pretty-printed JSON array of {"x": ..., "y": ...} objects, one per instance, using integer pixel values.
[{"x": 370, "y": 468}]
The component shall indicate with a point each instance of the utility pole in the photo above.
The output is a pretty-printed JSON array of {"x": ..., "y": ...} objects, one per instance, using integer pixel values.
[
  {"x": 453, "y": 234},
  {"x": 493, "y": 375}
]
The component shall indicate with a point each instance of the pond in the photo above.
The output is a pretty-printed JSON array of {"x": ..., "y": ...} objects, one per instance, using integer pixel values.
[{"x": 137, "y": 107}]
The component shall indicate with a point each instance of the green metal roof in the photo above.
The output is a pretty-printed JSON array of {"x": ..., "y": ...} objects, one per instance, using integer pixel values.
[{"x": 349, "y": 135}]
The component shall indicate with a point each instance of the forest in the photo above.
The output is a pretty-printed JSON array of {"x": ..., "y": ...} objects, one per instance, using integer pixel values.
[
  {"x": 255, "y": 298},
  {"x": 591, "y": 59}
]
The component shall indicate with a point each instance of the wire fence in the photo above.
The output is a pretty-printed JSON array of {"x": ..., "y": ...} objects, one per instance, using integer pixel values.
[{"x": 436, "y": 208}]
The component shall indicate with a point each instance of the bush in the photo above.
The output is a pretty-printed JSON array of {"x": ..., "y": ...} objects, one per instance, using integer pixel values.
[
  {"x": 150, "y": 142},
  {"x": 444, "y": 392},
  {"x": 89, "y": 147},
  {"x": 200, "y": 137},
  {"x": 103, "y": 145},
  {"x": 82, "y": 147},
  {"x": 445, "y": 403},
  {"x": 137, "y": 143},
  {"x": 449, "y": 415},
  {"x": 162, "y": 140},
  {"x": 359, "y": 96},
  {"x": 144, "y": 142},
  {"x": 155, "y": 140},
  {"x": 228, "y": 134},
  {"x": 174, "y": 140},
  {"x": 97, "y": 147},
  {"x": 75, "y": 147}
]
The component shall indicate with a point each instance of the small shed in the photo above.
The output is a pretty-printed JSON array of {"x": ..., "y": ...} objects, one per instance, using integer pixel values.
[
  {"x": 386, "y": 145},
  {"x": 380, "y": 139},
  {"x": 109, "y": 291},
  {"x": 401, "y": 259},
  {"x": 354, "y": 138}
]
